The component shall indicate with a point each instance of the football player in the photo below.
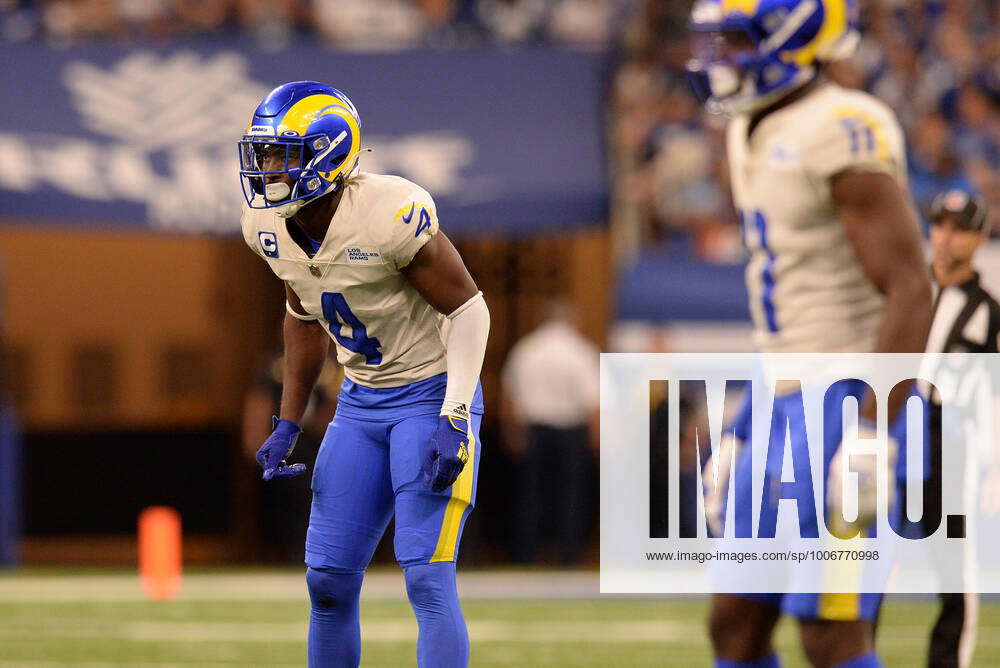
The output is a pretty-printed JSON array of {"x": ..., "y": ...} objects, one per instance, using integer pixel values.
[
  {"x": 364, "y": 263},
  {"x": 819, "y": 180}
]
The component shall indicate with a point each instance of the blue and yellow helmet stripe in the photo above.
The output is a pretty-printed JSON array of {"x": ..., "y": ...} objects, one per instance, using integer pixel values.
[
  {"x": 301, "y": 114},
  {"x": 833, "y": 27}
]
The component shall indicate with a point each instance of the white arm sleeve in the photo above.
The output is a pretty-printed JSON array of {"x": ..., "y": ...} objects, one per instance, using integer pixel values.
[
  {"x": 296, "y": 314},
  {"x": 466, "y": 345}
]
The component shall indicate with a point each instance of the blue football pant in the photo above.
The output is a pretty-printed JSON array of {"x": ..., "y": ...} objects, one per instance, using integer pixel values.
[{"x": 366, "y": 472}]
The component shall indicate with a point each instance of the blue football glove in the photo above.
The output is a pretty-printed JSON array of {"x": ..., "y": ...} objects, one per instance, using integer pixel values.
[
  {"x": 446, "y": 453},
  {"x": 277, "y": 448}
]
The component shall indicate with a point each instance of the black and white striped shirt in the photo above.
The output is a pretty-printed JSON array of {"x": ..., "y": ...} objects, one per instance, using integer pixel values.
[{"x": 966, "y": 320}]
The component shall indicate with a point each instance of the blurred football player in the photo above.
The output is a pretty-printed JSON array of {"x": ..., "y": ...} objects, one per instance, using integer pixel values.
[
  {"x": 819, "y": 180},
  {"x": 364, "y": 263}
]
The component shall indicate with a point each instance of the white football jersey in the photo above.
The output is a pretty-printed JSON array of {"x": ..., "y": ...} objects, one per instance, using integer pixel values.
[
  {"x": 386, "y": 334},
  {"x": 808, "y": 291}
]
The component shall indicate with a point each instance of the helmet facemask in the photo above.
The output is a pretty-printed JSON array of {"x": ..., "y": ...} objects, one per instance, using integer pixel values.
[
  {"x": 729, "y": 74},
  {"x": 264, "y": 157}
]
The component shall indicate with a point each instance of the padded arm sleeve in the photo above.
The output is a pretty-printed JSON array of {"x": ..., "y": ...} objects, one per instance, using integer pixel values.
[{"x": 466, "y": 344}]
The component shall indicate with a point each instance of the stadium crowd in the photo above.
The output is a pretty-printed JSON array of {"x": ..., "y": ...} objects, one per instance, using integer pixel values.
[
  {"x": 935, "y": 63},
  {"x": 361, "y": 25}
]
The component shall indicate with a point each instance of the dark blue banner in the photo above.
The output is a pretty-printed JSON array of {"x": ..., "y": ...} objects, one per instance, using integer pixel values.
[
  {"x": 507, "y": 142},
  {"x": 10, "y": 488},
  {"x": 665, "y": 286}
]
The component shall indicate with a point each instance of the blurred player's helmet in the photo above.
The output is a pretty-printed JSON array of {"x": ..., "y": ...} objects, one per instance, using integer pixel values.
[
  {"x": 785, "y": 40},
  {"x": 968, "y": 209},
  {"x": 314, "y": 131}
]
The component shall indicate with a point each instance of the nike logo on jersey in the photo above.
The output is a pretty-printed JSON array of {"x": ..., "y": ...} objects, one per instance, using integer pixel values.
[
  {"x": 409, "y": 216},
  {"x": 781, "y": 155}
]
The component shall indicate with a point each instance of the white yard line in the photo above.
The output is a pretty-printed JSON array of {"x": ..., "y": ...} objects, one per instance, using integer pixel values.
[
  {"x": 375, "y": 630},
  {"x": 398, "y": 629},
  {"x": 228, "y": 586}
]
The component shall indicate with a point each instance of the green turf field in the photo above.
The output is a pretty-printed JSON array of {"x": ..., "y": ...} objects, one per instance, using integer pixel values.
[{"x": 259, "y": 619}]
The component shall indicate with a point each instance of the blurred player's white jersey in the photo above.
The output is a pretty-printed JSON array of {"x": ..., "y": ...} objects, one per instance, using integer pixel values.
[
  {"x": 387, "y": 335},
  {"x": 808, "y": 291}
]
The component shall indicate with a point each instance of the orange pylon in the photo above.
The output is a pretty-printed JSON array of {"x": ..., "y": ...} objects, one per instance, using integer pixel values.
[{"x": 160, "y": 552}]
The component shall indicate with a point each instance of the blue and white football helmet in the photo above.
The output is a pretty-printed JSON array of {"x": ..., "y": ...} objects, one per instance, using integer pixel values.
[
  {"x": 318, "y": 131},
  {"x": 787, "y": 41}
]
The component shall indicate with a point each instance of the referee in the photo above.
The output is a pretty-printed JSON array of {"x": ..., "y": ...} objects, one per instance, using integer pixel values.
[{"x": 966, "y": 320}]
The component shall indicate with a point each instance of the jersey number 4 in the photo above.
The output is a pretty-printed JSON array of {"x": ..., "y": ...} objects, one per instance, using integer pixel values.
[{"x": 338, "y": 313}]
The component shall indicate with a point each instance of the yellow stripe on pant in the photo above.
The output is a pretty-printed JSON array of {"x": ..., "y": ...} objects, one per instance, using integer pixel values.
[
  {"x": 461, "y": 496},
  {"x": 840, "y": 575},
  {"x": 839, "y": 607}
]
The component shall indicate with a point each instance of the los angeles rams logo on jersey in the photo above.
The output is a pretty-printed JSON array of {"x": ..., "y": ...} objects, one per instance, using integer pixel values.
[{"x": 363, "y": 255}]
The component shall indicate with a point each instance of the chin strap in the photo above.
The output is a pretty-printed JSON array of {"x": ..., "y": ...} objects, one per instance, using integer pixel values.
[
  {"x": 275, "y": 192},
  {"x": 289, "y": 209}
]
